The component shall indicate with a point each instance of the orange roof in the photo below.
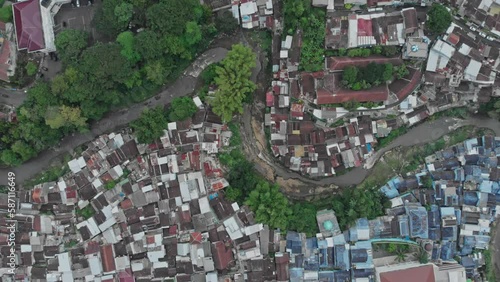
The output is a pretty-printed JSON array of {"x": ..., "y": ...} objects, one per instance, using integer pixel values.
[{"x": 416, "y": 274}]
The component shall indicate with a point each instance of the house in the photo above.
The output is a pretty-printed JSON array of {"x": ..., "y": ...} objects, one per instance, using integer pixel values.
[
  {"x": 33, "y": 21},
  {"x": 327, "y": 222},
  {"x": 411, "y": 272}
]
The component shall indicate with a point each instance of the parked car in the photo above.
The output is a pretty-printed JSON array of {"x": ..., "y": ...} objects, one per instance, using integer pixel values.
[
  {"x": 489, "y": 37},
  {"x": 473, "y": 28},
  {"x": 482, "y": 34}
]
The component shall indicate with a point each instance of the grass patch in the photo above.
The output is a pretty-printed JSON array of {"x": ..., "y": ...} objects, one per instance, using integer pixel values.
[
  {"x": 384, "y": 141},
  {"x": 488, "y": 266},
  {"x": 51, "y": 174},
  {"x": 236, "y": 136},
  {"x": 87, "y": 212}
]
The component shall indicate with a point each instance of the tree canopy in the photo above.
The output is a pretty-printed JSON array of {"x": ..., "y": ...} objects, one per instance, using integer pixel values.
[
  {"x": 150, "y": 125},
  {"x": 181, "y": 109},
  {"x": 357, "y": 78},
  {"x": 270, "y": 205},
  {"x": 70, "y": 43},
  {"x": 233, "y": 81},
  {"x": 439, "y": 18}
]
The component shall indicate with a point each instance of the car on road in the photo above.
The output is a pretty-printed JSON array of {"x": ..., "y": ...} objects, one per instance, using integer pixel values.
[
  {"x": 473, "y": 28},
  {"x": 489, "y": 37},
  {"x": 45, "y": 68},
  {"x": 482, "y": 34}
]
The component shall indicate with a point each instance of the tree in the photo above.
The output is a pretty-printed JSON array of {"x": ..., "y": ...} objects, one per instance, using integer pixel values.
[
  {"x": 390, "y": 51},
  {"x": 422, "y": 256},
  {"x": 193, "y": 33},
  {"x": 148, "y": 45},
  {"x": 270, "y": 205},
  {"x": 350, "y": 74},
  {"x": 126, "y": 40},
  {"x": 225, "y": 22},
  {"x": 170, "y": 16},
  {"x": 104, "y": 66},
  {"x": 182, "y": 108},
  {"x": 31, "y": 68},
  {"x": 123, "y": 13},
  {"x": 439, "y": 18},
  {"x": 22, "y": 149},
  {"x": 387, "y": 74},
  {"x": 208, "y": 74},
  {"x": 400, "y": 254},
  {"x": 150, "y": 125},
  {"x": 233, "y": 81},
  {"x": 303, "y": 219},
  {"x": 65, "y": 116},
  {"x": 112, "y": 18},
  {"x": 70, "y": 44},
  {"x": 401, "y": 71},
  {"x": 156, "y": 72},
  {"x": 6, "y": 14},
  {"x": 10, "y": 158}
]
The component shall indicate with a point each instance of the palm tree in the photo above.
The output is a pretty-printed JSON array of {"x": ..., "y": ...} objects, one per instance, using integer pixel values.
[
  {"x": 421, "y": 255},
  {"x": 400, "y": 254}
]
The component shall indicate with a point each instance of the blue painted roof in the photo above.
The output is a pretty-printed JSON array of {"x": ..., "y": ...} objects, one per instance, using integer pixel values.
[
  {"x": 326, "y": 276},
  {"x": 470, "y": 198},
  {"x": 341, "y": 257},
  {"x": 389, "y": 192}
]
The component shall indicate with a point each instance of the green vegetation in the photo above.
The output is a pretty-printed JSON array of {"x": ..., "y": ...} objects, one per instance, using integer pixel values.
[
  {"x": 4, "y": 189},
  {"x": 246, "y": 186},
  {"x": 181, "y": 109},
  {"x": 31, "y": 68},
  {"x": 348, "y": 6},
  {"x": 454, "y": 112},
  {"x": 357, "y": 78},
  {"x": 270, "y": 205},
  {"x": 87, "y": 212},
  {"x": 70, "y": 43},
  {"x": 388, "y": 51},
  {"x": 300, "y": 14},
  {"x": 421, "y": 255},
  {"x": 6, "y": 13},
  {"x": 127, "y": 69},
  {"x": 359, "y": 202},
  {"x": 233, "y": 81},
  {"x": 110, "y": 185},
  {"x": 150, "y": 125},
  {"x": 70, "y": 244},
  {"x": 51, "y": 174},
  {"x": 489, "y": 269},
  {"x": 236, "y": 136},
  {"x": 439, "y": 18},
  {"x": 225, "y": 22},
  {"x": 395, "y": 133}
]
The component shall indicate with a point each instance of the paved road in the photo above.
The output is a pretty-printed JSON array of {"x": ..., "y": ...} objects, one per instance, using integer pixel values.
[
  {"x": 185, "y": 85},
  {"x": 12, "y": 97}
]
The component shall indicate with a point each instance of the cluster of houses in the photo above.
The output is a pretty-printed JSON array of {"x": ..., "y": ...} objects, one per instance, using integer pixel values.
[
  {"x": 145, "y": 212},
  {"x": 135, "y": 212}
]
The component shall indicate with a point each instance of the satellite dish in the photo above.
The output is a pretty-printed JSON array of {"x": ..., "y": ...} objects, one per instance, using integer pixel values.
[{"x": 414, "y": 48}]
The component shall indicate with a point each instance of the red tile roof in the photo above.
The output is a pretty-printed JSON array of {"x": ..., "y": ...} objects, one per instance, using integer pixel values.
[
  {"x": 29, "y": 27},
  {"x": 415, "y": 274},
  {"x": 108, "y": 258},
  {"x": 37, "y": 192},
  {"x": 365, "y": 27},
  {"x": 375, "y": 94},
  {"x": 223, "y": 256},
  {"x": 92, "y": 248},
  {"x": 407, "y": 89},
  {"x": 269, "y": 99},
  {"x": 126, "y": 275},
  {"x": 454, "y": 39},
  {"x": 340, "y": 63},
  {"x": 195, "y": 238}
]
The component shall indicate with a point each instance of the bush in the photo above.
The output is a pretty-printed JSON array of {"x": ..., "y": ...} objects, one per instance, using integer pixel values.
[
  {"x": 6, "y": 13},
  {"x": 31, "y": 68}
]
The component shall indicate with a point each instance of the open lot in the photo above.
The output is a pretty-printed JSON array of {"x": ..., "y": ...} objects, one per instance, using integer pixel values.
[{"x": 70, "y": 17}]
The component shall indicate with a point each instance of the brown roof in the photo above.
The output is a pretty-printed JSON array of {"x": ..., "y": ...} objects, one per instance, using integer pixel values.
[
  {"x": 340, "y": 63},
  {"x": 416, "y": 274},
  {"x": 375, "y": 94},
  {"x": 223, "y": 255},
  {"x": 410, "y": 20},
  {"x": 108, "y": 258},
  {"x": 406, "y": 88}
]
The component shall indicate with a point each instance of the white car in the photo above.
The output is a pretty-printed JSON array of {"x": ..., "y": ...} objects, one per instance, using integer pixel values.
[
  {"x": 473, "y": 28},
  {"x": 482, "y": 34},
  {"x": 489, "y": 37}
]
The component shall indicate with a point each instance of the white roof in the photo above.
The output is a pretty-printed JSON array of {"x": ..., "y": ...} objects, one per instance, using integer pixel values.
[
  {"x": 64, "y": 262},
  {"x": 248, "y": 8},
  {"x": 439, "y": 56},
  {"x": 95, "y": 265},
  {"x": 464, "y": 49},
  {"x": 172, "y": 126},
  {"x": 288, "y": 42},
  {"x": 472, "y": 70},
  {"x": 353, "y": 33},
  {"x": 284, "y": 54},
  {"x": 197, "y": 102}
]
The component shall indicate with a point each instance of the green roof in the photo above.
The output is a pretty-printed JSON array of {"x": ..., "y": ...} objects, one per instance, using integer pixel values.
[{"x": 328, "y": 225}]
